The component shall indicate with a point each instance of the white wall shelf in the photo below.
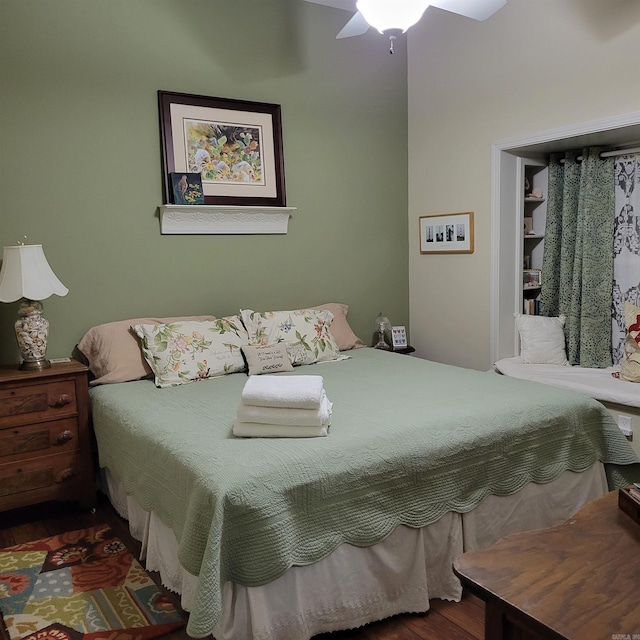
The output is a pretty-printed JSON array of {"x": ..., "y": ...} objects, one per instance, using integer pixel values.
[{"x": 219, "y": 219}]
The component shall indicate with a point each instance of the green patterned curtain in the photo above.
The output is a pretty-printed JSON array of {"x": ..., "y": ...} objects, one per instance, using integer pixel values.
[{"x": 578, "y": 253}]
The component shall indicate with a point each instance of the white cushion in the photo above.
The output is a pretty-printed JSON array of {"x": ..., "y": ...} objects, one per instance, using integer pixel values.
[{"x": 542, "y": 339}]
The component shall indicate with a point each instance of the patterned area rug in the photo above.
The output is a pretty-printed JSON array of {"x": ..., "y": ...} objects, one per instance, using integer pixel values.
[{"x": 81, "y": 585}]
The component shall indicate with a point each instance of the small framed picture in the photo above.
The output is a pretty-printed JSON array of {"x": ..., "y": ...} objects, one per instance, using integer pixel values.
[
  {"x": 447, "y": 233},
  {"x": 398, "y": 337},
  {"x": 528, "y": 226},
  {"x": 187, "y": 188},
  {"x": 531, "y": 278}
]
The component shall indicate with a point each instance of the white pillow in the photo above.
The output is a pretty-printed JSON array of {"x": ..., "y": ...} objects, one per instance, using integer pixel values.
[{"x": 542, "y": 339}]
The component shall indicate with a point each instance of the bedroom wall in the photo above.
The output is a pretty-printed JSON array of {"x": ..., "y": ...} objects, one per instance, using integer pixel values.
[
  {"x": 80, "y": 159},
  {"x": 533, "y": 66}
]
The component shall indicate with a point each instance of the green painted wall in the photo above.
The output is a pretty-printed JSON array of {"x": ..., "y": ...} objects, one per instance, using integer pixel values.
[{"x": 80, "y": 158}]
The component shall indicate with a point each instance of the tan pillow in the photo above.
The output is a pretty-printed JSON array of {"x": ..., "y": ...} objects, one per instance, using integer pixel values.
[
  {"x": 267, "y": 359},
  {"x": 340, "y": 328},
  {"x": 113, "y": 350}
]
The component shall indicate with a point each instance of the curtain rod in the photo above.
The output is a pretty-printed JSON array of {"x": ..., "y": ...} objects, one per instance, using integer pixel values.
[
  {"x": 611, "y": 154},
  {"x": 619, "y": 152}
]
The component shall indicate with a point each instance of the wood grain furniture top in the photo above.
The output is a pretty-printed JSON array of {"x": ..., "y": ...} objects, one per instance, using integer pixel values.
[{"x": 576, "y": 581}]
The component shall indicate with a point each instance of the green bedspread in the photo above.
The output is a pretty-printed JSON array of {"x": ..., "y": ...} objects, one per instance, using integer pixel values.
[{"x": 410, "y": 440}]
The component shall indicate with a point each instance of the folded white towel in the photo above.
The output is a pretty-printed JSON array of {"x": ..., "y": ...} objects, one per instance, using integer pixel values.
[
  {"x": 256, "y": 430},
  {"x": 294, "y": 392},
  {"x": 285, "y": 416}
]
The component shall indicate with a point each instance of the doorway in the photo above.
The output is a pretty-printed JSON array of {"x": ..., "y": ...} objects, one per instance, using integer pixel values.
[{"x": 508, "y": 157}]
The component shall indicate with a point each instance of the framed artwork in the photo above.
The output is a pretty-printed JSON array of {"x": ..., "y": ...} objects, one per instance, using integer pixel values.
[
  {"x": 235, "y": 146},
  {"x": 531, "y": 278},
  {"x": 447, "y": 233},
  {"x": 399, "y": 337},
  {"x": 186, "y": 188}
]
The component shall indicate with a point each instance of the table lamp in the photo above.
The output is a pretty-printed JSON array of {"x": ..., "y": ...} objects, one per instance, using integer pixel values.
[
  {"x": 26, "y": 274},
  {"x": 383, "y": 329}
]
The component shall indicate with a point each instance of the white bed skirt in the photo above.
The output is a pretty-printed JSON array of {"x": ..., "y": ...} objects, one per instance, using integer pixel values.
[{"x": 353, "y": 585}]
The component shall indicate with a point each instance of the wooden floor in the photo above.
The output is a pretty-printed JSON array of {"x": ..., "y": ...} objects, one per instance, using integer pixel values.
[{"x": 445, "y": 621}]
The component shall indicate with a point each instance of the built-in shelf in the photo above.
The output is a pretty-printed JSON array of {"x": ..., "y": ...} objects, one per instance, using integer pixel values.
[
  {"x": 222, "y": 219},
  {"x": 532, "y": 199},
  {"x": 533, "y": 236}
]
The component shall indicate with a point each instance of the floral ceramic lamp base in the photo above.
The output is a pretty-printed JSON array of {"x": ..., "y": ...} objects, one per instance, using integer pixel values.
[{"x": 32, "y": 331}]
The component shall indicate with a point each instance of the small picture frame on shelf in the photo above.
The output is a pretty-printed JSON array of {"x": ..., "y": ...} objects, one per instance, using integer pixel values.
[
  {"x": 526, "y": 262},
  {"x": 187, "y": 188},
  {"x": 398, "y": 337},
  {"x": 528, "y": 226},
  {"x": 531, "y": 278}
]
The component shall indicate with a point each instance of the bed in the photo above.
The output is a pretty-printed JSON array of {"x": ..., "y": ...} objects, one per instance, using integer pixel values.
[{"x": 285, "y": 538}]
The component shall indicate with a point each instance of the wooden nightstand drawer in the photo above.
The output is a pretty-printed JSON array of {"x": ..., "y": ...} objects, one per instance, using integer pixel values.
[
  {"x": 61, "y": 471},
  {"x": 41, "y": 439},
  {"x": 37, "y": 402},
  {"x": 45, "y": 437}
]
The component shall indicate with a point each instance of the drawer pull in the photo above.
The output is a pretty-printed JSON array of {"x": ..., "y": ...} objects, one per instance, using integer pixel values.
[
  {"x": 62, "y": 400},
  {"x": 63, "y": 437},
  {"x": 65, "y": 474}
]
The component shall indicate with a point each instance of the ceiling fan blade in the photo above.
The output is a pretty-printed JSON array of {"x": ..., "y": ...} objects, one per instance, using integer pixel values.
[
  {"x": 347, "y": 5},
  {"x": 476, "y": 9},
  {"x": 357, "y": 26}
]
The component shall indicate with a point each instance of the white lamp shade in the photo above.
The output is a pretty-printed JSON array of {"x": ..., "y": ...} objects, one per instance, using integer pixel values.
[
  {"x": 392, "y": 14},
  {"x": 27, "y": 274}
]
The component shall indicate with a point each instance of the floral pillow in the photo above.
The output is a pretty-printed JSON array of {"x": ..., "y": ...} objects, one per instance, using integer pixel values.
[
  {"x": 632, "y": 322},
  {"x": 630, "y": 365},
  {"x": 340, "y": 328},
  {"x": 305, "y": 333},
  {"x": 113, "y": 350},
  {"x": 181, "y": 352}
]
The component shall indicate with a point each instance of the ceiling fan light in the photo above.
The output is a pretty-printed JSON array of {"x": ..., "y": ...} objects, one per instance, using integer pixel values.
[{"x": 392, "y": 14}]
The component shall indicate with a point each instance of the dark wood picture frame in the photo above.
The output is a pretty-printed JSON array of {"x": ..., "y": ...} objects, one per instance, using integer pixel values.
[{"x": 178, "y": 109}]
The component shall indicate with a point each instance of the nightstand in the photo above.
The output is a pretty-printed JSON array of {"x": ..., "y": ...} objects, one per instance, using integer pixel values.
[
  {"x": 45, "y": 440},
  {"x": 406, "y": 350}
]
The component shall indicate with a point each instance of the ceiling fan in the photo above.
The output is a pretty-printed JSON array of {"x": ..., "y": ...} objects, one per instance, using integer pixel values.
[{"x": 401, "y": 14}]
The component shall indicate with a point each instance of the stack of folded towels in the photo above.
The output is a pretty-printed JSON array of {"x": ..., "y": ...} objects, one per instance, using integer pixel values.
[{"x": 283, "y": 407}]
